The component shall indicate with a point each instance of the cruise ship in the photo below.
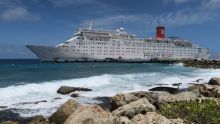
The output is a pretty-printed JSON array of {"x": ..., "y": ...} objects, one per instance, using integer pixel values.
[{"x": 119, "y": 46}]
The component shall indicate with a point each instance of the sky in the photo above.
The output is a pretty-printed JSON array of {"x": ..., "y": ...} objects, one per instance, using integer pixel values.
[{"x": 50, "y": 22}]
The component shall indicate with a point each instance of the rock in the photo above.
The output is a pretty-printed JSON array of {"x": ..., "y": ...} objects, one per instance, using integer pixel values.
[
  {"x": 176, "y": 121},
  {"x": 114, "y": 120},
  {"x": 64, "y": 111},
  {"x": 3, "y": 107},
  {"x": 176, "y": 84},
  {"x": 166, "y": 89},
  {"x": 122, "y": 99},
  {"x": 150, "y": 118},
  {"x": 134, "y": 108},
  {"x": 198, "y": 80},
  {"x": 9, "y": 114},
  {"x": 140, "y": 94},
  {"x": 160, "y": 98},
  {"x": 214, "y": 81},
  {"x": 74, "y": 95},
  {"x": 91, "y": 114},
  {"x": 57, "y": 98},
  {"x": 105, "y": 103},
  {"x": 39, "y": 120},
  {"x": 194, "y": 88},
  {"x": 122, "y": 120},
  {"x": 209, "y": 90},
  {"x": 9, "y": 122},
  {"x": 66, "y": 90},
  {"x": 202, "y": 63}
]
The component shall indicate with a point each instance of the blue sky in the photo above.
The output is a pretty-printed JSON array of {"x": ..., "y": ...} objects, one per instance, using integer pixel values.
[{"x": 50, "y": 22}]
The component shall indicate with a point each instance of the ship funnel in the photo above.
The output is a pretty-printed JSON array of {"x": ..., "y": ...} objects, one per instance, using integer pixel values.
[{"x": 160, "y": 33}]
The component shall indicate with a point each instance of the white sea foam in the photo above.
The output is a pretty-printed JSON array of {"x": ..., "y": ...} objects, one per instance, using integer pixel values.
[{"x": 103, "y": 85}]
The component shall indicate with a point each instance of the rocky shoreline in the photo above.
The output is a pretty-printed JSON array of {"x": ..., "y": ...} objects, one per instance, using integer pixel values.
[
  {"x": 215, "y": 64},
  {"x": 156, "y": 106}
]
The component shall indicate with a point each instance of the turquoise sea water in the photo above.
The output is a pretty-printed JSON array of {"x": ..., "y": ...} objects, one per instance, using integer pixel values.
[{"x": 30, "y": 80}]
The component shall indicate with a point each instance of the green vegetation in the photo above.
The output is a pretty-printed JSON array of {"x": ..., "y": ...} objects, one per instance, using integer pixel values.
[{"x": 199, "y": 112}]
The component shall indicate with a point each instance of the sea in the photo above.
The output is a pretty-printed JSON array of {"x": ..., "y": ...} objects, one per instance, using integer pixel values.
[{"x": 29, "y": 87}]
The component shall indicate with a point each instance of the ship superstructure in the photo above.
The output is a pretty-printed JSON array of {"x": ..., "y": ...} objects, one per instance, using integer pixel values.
[{"x": 104, "y": 45}]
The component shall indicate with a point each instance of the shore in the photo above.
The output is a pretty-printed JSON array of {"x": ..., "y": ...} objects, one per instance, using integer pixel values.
[
  {"x": 160, "y": 105},
  {"x": 199, "y": 103},
  {"x": 215, "y": 64}
]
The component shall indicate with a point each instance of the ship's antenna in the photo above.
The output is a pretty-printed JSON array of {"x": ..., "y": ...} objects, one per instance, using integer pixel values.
[{"x": 91, "y": 25}]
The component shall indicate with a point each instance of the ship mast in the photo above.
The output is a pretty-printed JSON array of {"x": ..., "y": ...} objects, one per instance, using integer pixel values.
[{"x": 91, "y": 25}]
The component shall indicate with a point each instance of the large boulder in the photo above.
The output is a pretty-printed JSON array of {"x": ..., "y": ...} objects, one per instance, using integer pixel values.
[
  {"x": 66, "y": 89},
  {"x": 92, "y": 114},
  {"x": 63, "y": 112},
  {"x": 214, "y": 81},
  {"x": 153, "y": 118},
  {"x": 38, "y": 120},
  {"x": 122, "y": 99},
  {"x": 209, "y": 90},
  {"x": 161, "y": 98},
  {"x": 134, "y": 108}
]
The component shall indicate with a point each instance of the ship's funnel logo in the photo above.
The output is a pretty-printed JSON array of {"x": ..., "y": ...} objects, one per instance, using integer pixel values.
[{"x": 160, "y": 33}]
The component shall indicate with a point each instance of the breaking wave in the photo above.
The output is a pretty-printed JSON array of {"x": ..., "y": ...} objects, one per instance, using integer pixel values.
[{"x": 23, "y": 97}]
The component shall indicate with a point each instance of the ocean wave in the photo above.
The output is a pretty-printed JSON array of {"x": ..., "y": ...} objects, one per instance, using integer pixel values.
[{"x": 103, "y": 85}]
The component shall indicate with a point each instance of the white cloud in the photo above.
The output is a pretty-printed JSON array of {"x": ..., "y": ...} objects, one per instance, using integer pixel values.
[
  {"x": 116, "y": 19},
  {"x": 211, "y": 4},
  {"x": 205, "y": 11},
  {"x": 18, "y": 14}
]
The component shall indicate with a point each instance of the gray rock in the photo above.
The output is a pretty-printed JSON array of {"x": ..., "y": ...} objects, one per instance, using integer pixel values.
[
  {"x": 150, "y": 118},
  {"x": 66, "y": 89},
  {"x": 64, "y": 112},
  {"x": 214, "y": 81},
  {"x": 176, "y": 121},
  {"x": 38, "y": 120},
  {"x": 122, "y": 99},
  {"x": 161, "y": 98},
  {"x": 134, "y": 108},
  {"x": 154, "y": 118},
  {"x": 74, "y": 95},
  {"x": 91, "y": 114},
  {"x": 209, "y": 90},
  {"x": 202, "y": 63},
  {"x": 114, "y": 120}
]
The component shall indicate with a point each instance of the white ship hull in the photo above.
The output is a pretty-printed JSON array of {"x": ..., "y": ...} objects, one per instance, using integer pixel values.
[
  {"x": 54, "y": 54},
  {"x": 99, "y": 45}
]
